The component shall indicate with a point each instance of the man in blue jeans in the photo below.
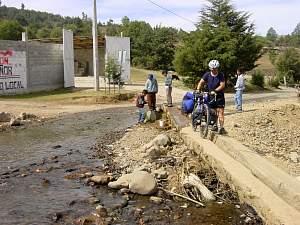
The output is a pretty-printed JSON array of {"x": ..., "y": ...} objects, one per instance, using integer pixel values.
[{"x": 239, "y": 87}]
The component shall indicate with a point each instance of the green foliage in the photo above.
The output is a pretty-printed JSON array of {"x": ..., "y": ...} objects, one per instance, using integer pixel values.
[
  {"x": 288, "y": 65},
  {"x": 112, "y": 69},
  {"x": 273, "y": 56},
  {"x": 274, "y": 82},
  {"x": 262, "y": 41},
  {"x": 56, "y": 32},
  {"x": 43, "y": 33},
  {"x": 223, "y": 34},
  {"x": 258, "y": 78},
  {"x": 272, "y": 35},
  {"x": 10, "y": 30},
  {"x": 151, "y": 48},
  {"x": 296, "y": 30}
]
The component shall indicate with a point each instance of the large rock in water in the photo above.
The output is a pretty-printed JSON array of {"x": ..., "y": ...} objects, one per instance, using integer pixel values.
[
  {"x": 139, "y": 182},
  {"x": 5, "y": 117}
]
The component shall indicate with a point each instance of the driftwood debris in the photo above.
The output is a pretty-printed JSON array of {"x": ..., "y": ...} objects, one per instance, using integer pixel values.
[
  {"x": 181, "y": 196},
  {"x": 194, "y": 181}
]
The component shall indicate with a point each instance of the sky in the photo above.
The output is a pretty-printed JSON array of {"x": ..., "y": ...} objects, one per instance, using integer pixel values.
[{"x": 282, "y": 15}]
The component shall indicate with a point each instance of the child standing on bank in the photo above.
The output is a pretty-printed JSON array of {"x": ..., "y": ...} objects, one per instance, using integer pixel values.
[{"x": 140, "y": 103}]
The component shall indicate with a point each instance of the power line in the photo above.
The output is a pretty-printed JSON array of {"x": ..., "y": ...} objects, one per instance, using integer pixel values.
[{"x": 163, "y": 8}]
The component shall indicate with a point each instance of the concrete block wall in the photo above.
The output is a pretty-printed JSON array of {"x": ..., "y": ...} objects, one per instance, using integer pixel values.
[
  {"x": 45, "y": 66},
  {"x": 12, "y": 45}
]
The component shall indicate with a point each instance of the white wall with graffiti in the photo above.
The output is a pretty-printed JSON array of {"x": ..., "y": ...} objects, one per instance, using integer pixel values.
[
  {"x": 12, "y": 71},
  {"x": 30, "y": 67}
]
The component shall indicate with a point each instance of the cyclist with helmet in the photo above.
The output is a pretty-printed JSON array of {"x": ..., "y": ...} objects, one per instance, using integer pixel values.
[{"x": 215, "y": 83}]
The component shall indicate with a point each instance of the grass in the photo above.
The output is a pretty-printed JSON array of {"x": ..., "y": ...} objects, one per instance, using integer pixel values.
[
  {"x": 139, "y": 76},
  {"x": 69, "y": 95}
]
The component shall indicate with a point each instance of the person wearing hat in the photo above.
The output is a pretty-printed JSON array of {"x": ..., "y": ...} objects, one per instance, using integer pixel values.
[
  {"x": 215, "y": 82},
  {"x": 152, "y": 87}
]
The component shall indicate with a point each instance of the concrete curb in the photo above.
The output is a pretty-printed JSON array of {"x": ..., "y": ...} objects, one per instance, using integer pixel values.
[
  {"x": 287, "y": 187},
  {"x": 272, "y": 208},
  {"x": 271, "y": 192}
]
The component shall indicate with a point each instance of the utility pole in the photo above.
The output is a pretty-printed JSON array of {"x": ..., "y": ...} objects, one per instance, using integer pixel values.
[{"x": 95, "y": 48}]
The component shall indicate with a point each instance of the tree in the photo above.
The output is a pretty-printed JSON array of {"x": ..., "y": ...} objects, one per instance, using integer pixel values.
[
  {"x": 43, "y": 33},
  {"x": 223, "y": 34},
  {"x": 112, "y": 71},
  {"x": 56, "y": 32},
  {"x": 22, "y": 6},
  {"x": 163, "y": 48},
  {"x": 10, "y": 30},
  {"x": 288, "y": 64},
  {"x": 296, "y": 30},
  {"x": 272, "y": 35},
  {"x": 140, "y": 34},
  {"x": 273, "y": 56},
  {"x": 0, "y": 3},
  {"x": 125, "y": 21}
]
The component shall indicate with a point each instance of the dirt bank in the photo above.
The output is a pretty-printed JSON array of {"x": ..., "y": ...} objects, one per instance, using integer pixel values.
[{"x": 271, "y": 129}]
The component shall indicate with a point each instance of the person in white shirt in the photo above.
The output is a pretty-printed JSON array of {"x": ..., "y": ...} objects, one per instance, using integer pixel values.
[{"x": 239, "y": 88}]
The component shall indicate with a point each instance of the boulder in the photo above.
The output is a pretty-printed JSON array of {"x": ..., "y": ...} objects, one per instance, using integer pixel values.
[
  {"x": 162, "y": 140},
  {"x": 26, "y": 116},
  {"x": 5, "y": 117},
  {"x": 102, "y": 179},
  {"x": 15, "y": 122},
  {"x": 151, "y": 116},
  {"x": 122, "y": 182},
  {"x": 160, "y": 173},
  {"x": 139, "y": 182},
  {"x": 156, "y": 200}
]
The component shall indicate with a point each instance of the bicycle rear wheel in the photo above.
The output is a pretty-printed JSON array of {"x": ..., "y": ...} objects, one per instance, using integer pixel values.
[{"x": 205, "y": 119}]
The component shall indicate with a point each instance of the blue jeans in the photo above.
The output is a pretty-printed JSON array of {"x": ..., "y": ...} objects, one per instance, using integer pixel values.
[
  {"x": 141, "y": 115},
  {"x": 238, "y": 99}
]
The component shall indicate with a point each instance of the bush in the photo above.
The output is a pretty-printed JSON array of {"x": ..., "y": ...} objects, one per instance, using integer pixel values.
[
  {"x": 274, "y": 82},
  {"x": 258, "y": 78}
]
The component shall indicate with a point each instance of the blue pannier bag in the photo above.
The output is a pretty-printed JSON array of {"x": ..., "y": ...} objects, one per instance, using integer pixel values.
[{"x": 187, "y": 103}]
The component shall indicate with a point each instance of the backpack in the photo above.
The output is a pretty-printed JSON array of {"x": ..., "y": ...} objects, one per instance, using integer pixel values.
[
  {"x": 140, "y": 101},
  {"x": 187, "y": 105}
]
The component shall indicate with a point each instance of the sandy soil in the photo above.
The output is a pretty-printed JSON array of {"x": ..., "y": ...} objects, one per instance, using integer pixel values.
[{"x": 270, "y": 128}]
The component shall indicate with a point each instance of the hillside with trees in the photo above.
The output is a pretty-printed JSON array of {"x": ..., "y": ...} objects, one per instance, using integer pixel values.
[{"x": 222, "y": 33}]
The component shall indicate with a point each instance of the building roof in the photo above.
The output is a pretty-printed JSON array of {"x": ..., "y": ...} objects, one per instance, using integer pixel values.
[{"x": 80, "y": 42}]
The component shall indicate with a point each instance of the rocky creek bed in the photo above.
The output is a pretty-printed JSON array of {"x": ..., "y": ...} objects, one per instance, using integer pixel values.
[
  {"x": 146, "y": 150},
  {"x": 64, "y": 181}
]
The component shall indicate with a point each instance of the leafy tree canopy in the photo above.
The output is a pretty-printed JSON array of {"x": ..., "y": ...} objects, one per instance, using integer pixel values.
[
  {"x": 288, "y": 64},
  {"x": 10, "y": 30},
  {"x": 223, "y": 34}
]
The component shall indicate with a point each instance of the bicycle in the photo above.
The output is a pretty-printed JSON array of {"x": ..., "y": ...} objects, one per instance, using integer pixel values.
[{"x": 203, "y": 115}]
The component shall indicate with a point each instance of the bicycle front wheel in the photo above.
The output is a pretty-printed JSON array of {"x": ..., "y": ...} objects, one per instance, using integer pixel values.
[{"x": 204, "y": 122}]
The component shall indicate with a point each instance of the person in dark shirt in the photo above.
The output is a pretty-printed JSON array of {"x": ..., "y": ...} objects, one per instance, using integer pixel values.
[
  {"x": 215, "y": 82},
  {"x": 140, "y": 103}
]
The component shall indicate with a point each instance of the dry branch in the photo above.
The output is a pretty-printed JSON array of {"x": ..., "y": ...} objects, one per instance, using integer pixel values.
[{"x": 194, "y": 181}]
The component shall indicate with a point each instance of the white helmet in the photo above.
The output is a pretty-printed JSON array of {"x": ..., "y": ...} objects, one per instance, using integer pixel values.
[{"x": 213, "y": 64}]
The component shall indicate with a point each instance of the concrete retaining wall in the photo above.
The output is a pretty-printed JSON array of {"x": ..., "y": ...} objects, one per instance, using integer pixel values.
[{"x": 271, "y": 192}]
